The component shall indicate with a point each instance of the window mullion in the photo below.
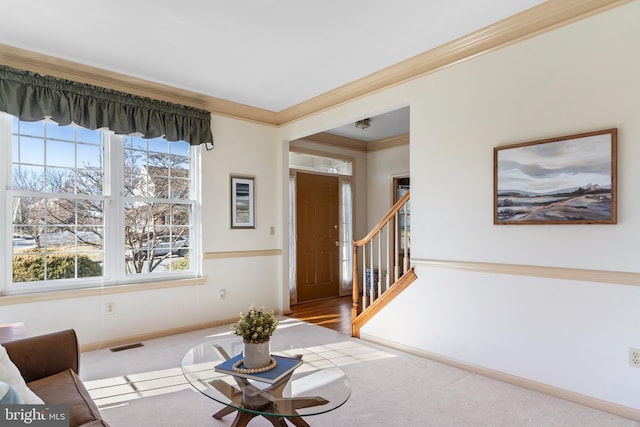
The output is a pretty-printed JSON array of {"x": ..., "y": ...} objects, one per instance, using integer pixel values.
[
  {"x": 196, "y": 211},
  {"x": 5, "y": 214},
  {"x": 114, "y": 220}
]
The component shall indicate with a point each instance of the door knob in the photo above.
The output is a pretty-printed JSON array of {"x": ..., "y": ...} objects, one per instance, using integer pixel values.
[{"x": 337, "y": 243}]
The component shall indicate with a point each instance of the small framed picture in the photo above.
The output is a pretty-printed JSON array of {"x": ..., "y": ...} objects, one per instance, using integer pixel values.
[{"x": 242, "y": 202}]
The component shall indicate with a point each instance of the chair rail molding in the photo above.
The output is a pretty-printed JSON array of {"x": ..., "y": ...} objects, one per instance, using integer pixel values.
[{"x": 562, "y": 273}]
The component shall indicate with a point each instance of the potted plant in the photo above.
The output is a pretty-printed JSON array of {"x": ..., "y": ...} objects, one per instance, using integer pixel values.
[{"x": 256, "y": 327}]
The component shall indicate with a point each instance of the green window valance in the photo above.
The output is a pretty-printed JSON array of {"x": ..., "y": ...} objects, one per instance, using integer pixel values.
[{"x": 33, "y": 97}]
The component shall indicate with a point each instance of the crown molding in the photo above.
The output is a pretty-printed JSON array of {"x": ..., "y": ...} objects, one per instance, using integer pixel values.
[
  {"x": 386, "y": 143},
  {"x": 64, "y": 69},
  {"x": 329, "y": 139},
  {"x": 325, "y": 138},
  {"x": 539, "y": 19}
]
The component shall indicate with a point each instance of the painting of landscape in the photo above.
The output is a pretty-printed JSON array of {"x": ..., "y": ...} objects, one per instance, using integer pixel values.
[{"x": 566, "y": 180}]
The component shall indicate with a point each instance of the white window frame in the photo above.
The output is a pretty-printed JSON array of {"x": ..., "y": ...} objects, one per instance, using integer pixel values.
[{"x": 114, "y": 239}]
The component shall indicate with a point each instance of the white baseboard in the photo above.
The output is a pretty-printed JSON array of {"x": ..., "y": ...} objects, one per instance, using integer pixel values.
[
  {"x": 591, "y": 402},
  {"x": 115, "y": 342}
]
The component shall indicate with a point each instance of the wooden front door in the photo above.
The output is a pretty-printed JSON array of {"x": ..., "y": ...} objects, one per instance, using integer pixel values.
[{"x": 318, "y": 250}]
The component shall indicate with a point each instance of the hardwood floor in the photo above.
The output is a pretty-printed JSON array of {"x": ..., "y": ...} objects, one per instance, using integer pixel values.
[{"x": 333, "y": 313}]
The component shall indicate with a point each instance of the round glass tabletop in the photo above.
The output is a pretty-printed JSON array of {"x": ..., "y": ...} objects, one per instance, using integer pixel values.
[{"x": 314, "y": 387}]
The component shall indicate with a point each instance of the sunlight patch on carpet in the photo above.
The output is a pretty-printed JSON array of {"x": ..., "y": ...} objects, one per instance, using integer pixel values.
[{"x": 110, "y": 392}]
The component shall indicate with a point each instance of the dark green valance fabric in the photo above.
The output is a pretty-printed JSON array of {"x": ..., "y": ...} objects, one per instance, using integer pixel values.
[{"x": 32, "y": 97}]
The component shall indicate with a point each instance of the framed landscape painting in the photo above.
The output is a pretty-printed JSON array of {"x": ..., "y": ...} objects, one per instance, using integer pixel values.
[
  {"x": 565, "y": 180},
  {"x": 242, "y": 202}
]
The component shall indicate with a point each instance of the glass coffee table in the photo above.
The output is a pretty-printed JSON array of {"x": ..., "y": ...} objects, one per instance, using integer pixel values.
[{"x": 315, "y": 387}]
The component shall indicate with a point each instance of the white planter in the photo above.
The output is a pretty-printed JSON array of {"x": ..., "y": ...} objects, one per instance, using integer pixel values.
[{"x": 256, "y": 355}]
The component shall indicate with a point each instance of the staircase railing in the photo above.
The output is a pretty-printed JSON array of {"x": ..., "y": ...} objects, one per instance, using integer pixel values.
[{"x": 382, "y": 256}]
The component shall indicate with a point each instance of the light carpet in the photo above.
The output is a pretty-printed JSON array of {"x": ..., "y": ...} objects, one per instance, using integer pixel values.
[{"x": 144, "y": 386}]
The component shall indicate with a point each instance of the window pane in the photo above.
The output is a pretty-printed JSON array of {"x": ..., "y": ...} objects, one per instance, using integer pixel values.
[
  {"x": 90, "y": 263},
  {"x": 23, "y": 239},
  {"x": 158, "y": 186},
  {"x": 28, "y": 178},
  {"x": 88, "y": 135},
  {"x": 89, "y": 156},
  {"x": 90, "y": 212},
  {"x": 180, "y": 148},
  {"x": 31, "y": 151},
  {"x": 180, "y": 163},
  {"x": 54, "y": 131},
  {"x": 58, "y": 238},
  {"x": 160, "y": 214},
  {"x": 319, "y": 164},
  {"x": 159, "y": 145},
  {"x": 180, "y": 216},
  {"x": 89, "y": 181},
  {"x": 139, "y": 143},
  {"x": 28, "y": 267},
  {"x": 61, "y": 153},
  {"x": 180, "y": 264},
  {"x": 60, "y": 212},
  {"x": 28, "y": 211},
  {"x": 180, "y": 189},
  {"x": 58, "y": 180},
  {"x": 29, "y": 128},
  {"x": 90, "y": 238}
]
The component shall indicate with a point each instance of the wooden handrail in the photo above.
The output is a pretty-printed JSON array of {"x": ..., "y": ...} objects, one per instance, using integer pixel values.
[
  {"x": 384, "y": 279},
  {"x": 394, "y": 209}
]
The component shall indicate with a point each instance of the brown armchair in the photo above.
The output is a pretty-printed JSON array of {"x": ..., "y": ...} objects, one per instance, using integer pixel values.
[{"x": 50, "y": 364}]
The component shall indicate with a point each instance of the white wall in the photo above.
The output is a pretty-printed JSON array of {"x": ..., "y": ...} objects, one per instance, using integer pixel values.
[
  {"x": 568, "y": 334},
  {"x": 246, "y": 149},
  {"x": 382, "y": 167}
]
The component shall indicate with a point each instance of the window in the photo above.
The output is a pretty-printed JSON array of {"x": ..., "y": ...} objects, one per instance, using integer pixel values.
[
  {"x": 317, "y": 163},
  {"x": 89, "y": 207}
]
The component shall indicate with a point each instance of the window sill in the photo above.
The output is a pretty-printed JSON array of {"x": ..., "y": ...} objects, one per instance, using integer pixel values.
[{"x": 96, "y": 291}]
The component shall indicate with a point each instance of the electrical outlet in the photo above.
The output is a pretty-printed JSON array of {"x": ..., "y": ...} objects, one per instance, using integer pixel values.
[
  {"x": 110, "y": 308},
  {"x": 634, "y": 357}
]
